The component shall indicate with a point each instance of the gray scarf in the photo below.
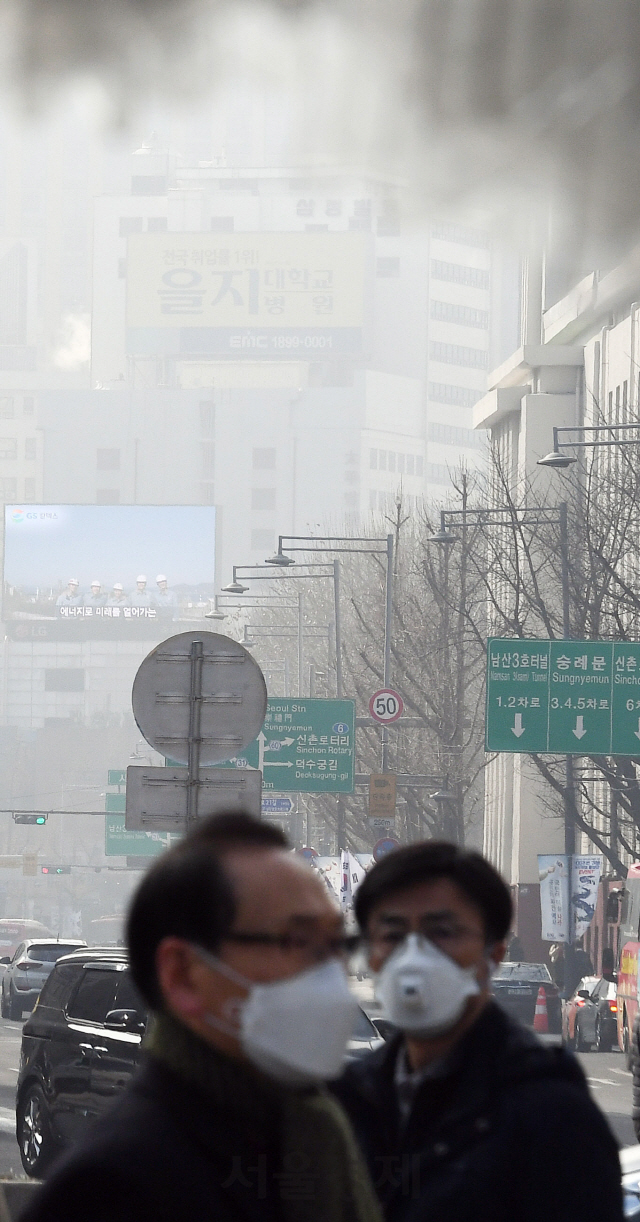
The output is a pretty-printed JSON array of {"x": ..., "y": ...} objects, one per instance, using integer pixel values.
[{"x": 321, "y": 1176}]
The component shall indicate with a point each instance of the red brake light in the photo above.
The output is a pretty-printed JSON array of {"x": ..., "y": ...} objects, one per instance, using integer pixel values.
[
  {"x": 580, "y": 1001},
  {"x": 613, "y": 1007}
]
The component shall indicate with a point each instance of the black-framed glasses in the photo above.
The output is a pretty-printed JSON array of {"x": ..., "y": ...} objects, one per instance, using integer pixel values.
[
  {"x": 301, "y": 943},
  {"x": 440, "y": 932}
]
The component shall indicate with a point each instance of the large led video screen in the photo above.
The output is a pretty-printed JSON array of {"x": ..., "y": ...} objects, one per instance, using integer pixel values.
[{"x": 107, "y": 566}]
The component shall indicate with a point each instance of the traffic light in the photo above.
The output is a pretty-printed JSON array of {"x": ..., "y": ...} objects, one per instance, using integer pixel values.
[
  {"x": 29, "y": 816},
  {"x": 55, "y": 869}
]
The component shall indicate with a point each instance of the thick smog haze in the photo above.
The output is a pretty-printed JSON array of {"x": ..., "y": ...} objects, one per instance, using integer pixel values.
[{"x": 319, "y": 331}]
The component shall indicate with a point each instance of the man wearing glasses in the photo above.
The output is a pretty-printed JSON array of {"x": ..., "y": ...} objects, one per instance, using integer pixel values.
[
  {"x": 464, "y": 1116},
  {"x": 236, "y": 946}
]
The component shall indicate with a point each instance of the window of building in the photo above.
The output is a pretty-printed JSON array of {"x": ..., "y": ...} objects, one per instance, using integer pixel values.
[
  {"x": 262, "y": 540},
  {"x": 391, "y": 460},
  {"x": 373, "y": 460},
  {"x": 362, "y": 208},
  {"x": 8, "y": 488},
  {"x": 63, "y": 679},
  {"x": 461, "y": 234},
  {"x": 305, "y": 207},
  {"x": 464, "y": 316},
  {"x": 207, "y": 412},
  {"x": 122, "y": 269},
  {"x": 437, "y": 473},
  {"x": 387, "y": 268},
  {"x": 333, "y": 207},
  {"x": 264, "y": 460},
  {"x": 459, "y": 273},
  {"x": 30, "y": 447},
  {"x": 8, "y": 447},
  {"x": 29, "y": 488},
  {"x": 7, "y": 407},
  {"x": 108, "y": 460},
  {"x": 28, "y": 405},
  {"x": 351, "y": 500},
  {"x": 449, "y": 435},
  {"x": 208, "y": 451},
  {"x": 459, "y": 396},
  {"x": 130, "y": 224},
  {"x": 360, "y": 222},
  {"x": 263, "y": 498},
  {"x": 222, "y": 224},
  {"x": 94, "y": 996},
  {"x": 107, "y": 496},
  {"x": 456, "y": 354},
  {"x": 157, "y": 224}
]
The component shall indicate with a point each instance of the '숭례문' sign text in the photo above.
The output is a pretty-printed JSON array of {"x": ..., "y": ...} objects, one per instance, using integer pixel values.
[{"x": 565, "y": 697}]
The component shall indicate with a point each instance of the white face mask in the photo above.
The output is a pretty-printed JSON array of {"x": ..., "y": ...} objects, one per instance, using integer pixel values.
[
  {"x": 295, "y": 1030},
  {"x": 422, "y": 990}
]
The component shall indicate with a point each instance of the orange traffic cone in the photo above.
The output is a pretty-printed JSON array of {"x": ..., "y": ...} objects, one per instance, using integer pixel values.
[{"x": 541, "y": 1018}]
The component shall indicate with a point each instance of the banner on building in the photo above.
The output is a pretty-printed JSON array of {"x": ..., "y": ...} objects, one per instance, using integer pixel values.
[
  {"x": 278, "y": 295},
  {"x": 553, "y": 872},
  {"x": 585, "y": 877}
]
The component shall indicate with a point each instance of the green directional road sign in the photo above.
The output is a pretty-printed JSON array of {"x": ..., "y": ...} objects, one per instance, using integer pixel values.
[
  {"x": 563, "y": 697},
  {"x": 117, "y": 776},
  {"x": 305, "y": 746},
  {"x": 517, "y": 695},
  {"x": 118, "y": 842}
]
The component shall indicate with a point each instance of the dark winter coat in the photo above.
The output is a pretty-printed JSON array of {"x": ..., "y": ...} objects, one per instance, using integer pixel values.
[
  {"x": 510, "y": 1133},
  {"x": 161, "y": 1155},
  {"x": 209, "y": 1138},
  {"x": 635, "y": 1071}
]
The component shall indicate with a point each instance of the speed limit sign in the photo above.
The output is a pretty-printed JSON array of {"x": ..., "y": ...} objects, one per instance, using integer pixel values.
[{"x": 386, "y": 706}]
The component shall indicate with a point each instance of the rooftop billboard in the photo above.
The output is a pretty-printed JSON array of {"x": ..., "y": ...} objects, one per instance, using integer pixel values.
[
  {"x": 283, "y": 295},
  {"x": 106, "y": 569}
]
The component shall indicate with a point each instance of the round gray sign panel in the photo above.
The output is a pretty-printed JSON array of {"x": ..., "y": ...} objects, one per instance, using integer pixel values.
[{"x": 233, "y": 703}]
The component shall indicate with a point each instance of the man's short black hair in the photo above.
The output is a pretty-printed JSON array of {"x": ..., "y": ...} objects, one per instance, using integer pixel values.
[
  {"x": 431, "y": 859},
  {"x": 187, "y": 893}
]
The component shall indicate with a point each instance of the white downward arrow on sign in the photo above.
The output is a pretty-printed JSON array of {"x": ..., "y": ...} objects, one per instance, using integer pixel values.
[
  {"x": 579, "y": 730},
  {"x": 517, "y": 727},
  {"x": 637, "y": 732}
]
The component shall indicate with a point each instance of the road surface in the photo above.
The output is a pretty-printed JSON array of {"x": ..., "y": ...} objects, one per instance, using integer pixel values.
[{"x": 609, "y": 1081}]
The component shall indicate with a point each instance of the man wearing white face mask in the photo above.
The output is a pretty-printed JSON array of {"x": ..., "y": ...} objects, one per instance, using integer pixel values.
[
  {"x": 464, "y": 1116},
  {"x": 236, "y": 946}
]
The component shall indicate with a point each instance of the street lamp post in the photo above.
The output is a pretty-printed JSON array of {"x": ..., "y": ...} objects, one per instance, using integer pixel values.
[
  {"x": 353, "y": 545},
  {"x": 330, "y": 570},
  {"x": 586, "y": 437},
  {"x": 498, "y": 516}
]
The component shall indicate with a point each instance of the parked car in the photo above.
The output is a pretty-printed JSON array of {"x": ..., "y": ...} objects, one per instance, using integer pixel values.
[
  {"x": 516, "y": 986},
  {"x": 592, "y": 1015},
  {"x": 26, "y": 971},
  {"x": 80, "y": 1047}
]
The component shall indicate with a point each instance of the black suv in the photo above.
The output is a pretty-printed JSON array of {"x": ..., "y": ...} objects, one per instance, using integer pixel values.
[{"x": 79, "y": 1049}]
